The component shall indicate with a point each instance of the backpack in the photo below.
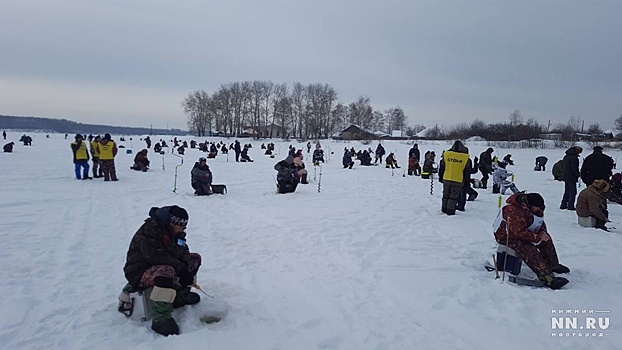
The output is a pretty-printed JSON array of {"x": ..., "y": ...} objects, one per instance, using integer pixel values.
[{"x": 558, "y": 171}]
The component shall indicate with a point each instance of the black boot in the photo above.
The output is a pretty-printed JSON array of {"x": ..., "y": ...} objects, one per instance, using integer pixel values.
[
  {"x": 553, "y": 282},
  {"x": 185, "y": 297},
  {"x": 559, "y": 268},
  {"x": 165, "y": 327}
]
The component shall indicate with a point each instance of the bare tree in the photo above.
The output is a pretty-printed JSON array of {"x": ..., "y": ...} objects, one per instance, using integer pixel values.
[
  {"x": 594, "y": 129},
  {"x": 360, "y": 112},
  {"x": 516, "y": 118}
]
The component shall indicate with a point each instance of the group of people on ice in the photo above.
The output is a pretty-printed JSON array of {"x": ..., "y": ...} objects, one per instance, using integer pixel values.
[{"x": 103, "y": 150}]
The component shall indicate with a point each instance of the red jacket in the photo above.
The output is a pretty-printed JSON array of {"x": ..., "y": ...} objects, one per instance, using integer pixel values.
[{"x": 517, "y": 219}]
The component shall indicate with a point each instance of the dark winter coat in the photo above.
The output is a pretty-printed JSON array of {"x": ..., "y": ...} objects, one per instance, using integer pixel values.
[
  {"x": 155, "y": 244},
  {"x": 237, "y": 147},
  {"x": 347, "y": 158},
  {"x": 380, "y": 151},
  {"x": 570, "y": 165},
  {"x": 286, "y": 170},
  {"x": 201, "y": 174},
  {"x": 8, "y": 147},
  {"x": 414, "y": 152},
  {"x": 428, "y": 163},
  {"x": 141, "y": 158},
  {"x": 485, "y": 161},
  {"x": 596, "y": 166}
]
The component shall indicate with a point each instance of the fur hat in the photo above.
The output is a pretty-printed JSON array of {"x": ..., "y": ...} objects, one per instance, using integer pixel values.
[
  {"x": 78, "y": 137},
  {"x": 178, "y": 216},
  {"x": 535, "y": 200},
  {"x": 107, "y": 137},
  {"x": 598, "y": 149},
  {"x": 600, "y": 185}
]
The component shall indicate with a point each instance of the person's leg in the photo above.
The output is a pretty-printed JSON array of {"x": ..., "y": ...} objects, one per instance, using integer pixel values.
[
  {"x": 445, "y": 198},
  {"x": 105, "y": 169},
  {"x": 531, "y": 256},
  {"x": 161, "y": 278},
  {"x": 564, "y": 204},
  {"x": 462, "y": 199},
  {"x": 76, "y": 169},
  {"x": 452, "y": 200},
  {"x": 85, "y": 172},
  {"x": 113, "y": 171}
]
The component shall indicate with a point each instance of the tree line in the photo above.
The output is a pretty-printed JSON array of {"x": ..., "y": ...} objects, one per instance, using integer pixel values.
[{"x": 303, "y": 111}]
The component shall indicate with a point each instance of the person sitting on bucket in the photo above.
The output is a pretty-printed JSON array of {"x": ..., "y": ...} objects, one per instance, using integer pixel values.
[
  {"x": 521, "y": 226},
  {"x": 592, "y": 202},
  {"x": 201, "y": 178},
  {"x": 391, "y": 162},
  {"x": 287, "y": 175},
  {"x": 159, "y": 257},
  {"x": 141, "y": 162}
]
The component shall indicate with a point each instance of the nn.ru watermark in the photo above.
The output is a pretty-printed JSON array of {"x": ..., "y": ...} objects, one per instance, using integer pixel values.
[{"x": 579, "y": 323}]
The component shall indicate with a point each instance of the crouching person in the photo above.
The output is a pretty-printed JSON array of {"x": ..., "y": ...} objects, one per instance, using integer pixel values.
[
  {"x": 287, "y": 176},
  {"x": 592, "y": 205},
  {"x": 201, "y": 178},
  {"x": 521, "y": 227},
  {"x": 159, "y": 258},
  {"x": 141, "y": 163}
]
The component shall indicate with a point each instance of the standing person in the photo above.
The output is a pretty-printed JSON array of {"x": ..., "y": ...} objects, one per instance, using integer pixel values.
[
  {"x": 520, "y": 225},
  {"x": 485, "y": 165},
  {"x": 158, "y": 256},
  {"x": 596, "y": 166},
  {"x": 201, "y": 178},
  {"x": 592, "y": 202},
  {"x": 107, "y": 152},
  {"x": 4, "y": 134},
  {"x": 97, "y": 173},
  {"x": 379, "y": 153},
  {"x": 80, "y": 158},
  {"x": 238, "y": 150},
  {"x": 570, "y": 176},
  {"x": 451, "y": 174}
]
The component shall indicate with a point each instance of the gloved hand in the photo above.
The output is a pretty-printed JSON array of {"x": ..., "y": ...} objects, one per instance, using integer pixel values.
[{"x": 186, "y": 278}]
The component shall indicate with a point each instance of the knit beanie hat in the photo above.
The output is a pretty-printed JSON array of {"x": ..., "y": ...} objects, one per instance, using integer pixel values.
[
  {"x": 178, "y": 216},
  {"x": 535, "y": 200}
]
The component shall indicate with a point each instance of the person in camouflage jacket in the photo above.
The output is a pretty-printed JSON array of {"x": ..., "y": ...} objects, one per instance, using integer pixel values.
[
  {"x": 159, "y": 258},
  {"x": 523, "y": 229}
]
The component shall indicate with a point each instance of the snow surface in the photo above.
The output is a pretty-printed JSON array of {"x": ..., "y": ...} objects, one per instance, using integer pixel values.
[{"x": 369, "y": 262}]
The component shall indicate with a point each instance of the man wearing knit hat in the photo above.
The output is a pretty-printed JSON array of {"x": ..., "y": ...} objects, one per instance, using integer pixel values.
[
  {"x": 159, "y": 258},
  {"x": 523, "y": 229}
]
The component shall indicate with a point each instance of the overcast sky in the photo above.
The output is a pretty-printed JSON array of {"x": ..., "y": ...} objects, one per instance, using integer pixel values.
[{"x": 132, "y": 62}]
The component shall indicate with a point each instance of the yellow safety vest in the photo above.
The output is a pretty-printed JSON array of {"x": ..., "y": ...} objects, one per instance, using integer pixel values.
[
  {"x": 81, "y": 153},
  {"x": 105, "y": 150},
  {"x": 95, "y": 149},
  {"x": 454, "y": 165}
]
